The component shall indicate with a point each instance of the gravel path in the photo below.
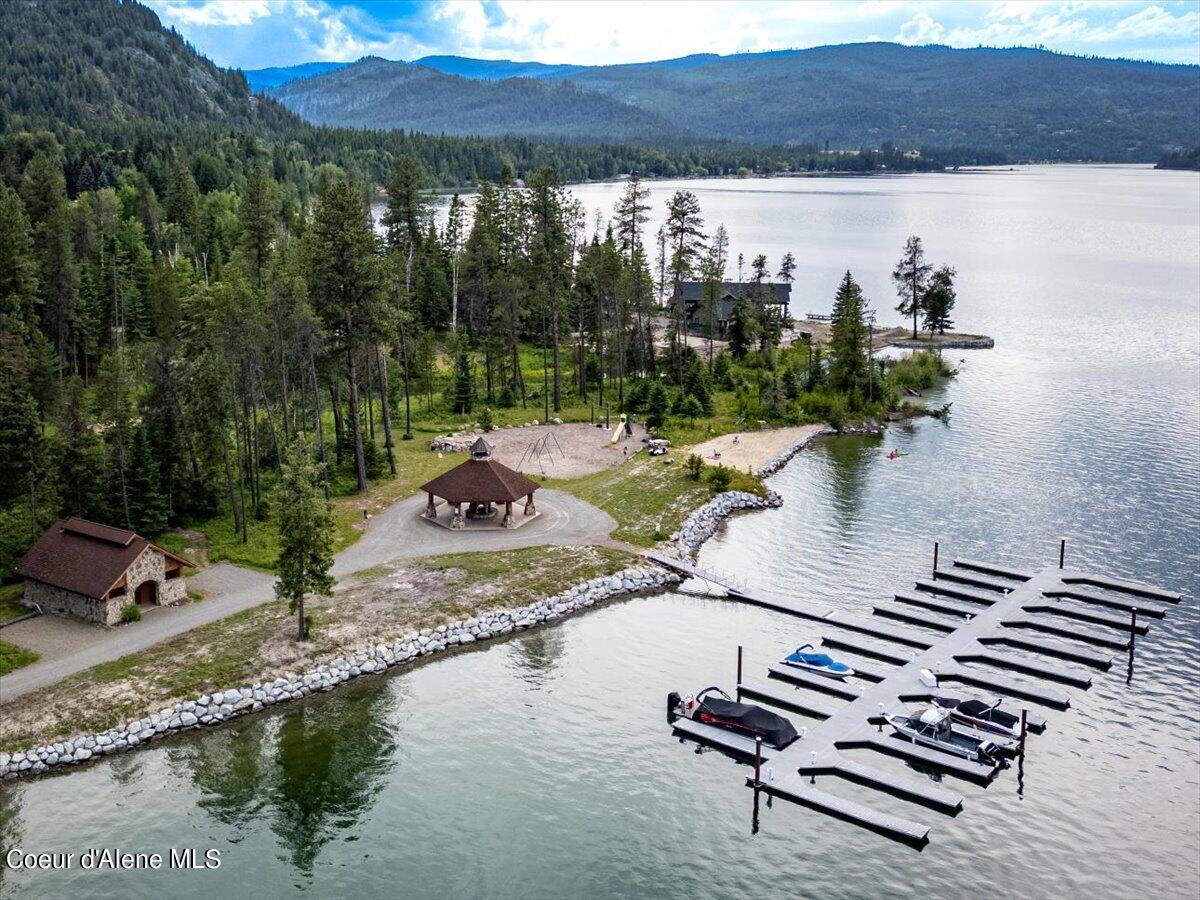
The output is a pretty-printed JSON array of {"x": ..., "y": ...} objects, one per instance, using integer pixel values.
[
  {"x": 398, "y": 532},
  {"x": 68, "y": 646}
]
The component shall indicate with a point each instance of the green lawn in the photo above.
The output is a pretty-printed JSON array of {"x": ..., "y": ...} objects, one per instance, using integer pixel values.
[
  {"x": 10, "y": 601},
  {"x": 13, "y": 657}
]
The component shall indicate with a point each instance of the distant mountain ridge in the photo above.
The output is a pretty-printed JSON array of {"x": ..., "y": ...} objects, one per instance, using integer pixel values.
[
  {"x": 381, "y": 94},
  {"x": 1024, "y": 102}
]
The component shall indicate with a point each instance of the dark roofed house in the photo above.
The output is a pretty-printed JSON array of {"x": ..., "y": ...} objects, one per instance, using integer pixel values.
[
  {"x": 91, "y": 571},
  {"x": 770, "y": 293},
  {"x": 479, "y": 482}
]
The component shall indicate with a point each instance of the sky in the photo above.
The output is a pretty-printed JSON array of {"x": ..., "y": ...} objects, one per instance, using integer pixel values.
[{"x": 252, "y": 34}]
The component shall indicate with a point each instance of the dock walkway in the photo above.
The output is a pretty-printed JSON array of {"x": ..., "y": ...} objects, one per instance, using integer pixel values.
[{"x": 957, "y": 622}]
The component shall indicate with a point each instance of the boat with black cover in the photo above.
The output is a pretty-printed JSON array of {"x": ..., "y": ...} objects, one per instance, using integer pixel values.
[
  {"x": 712, "y": 706},
  {"x": 981, "y": 715}
]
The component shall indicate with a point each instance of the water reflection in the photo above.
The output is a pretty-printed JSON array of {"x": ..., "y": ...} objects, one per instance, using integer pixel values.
[
  {"x": 537, "y": 654},
  {"x": 229, "y": 773},
  {"x": 849, "y": 461},
  {"x": 330, "y": 761}
]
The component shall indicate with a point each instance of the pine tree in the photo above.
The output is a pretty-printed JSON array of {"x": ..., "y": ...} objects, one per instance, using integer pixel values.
[
  {"x": 939, "y": 300},
  {"x": 182, "y": 201},
  {"x": 147, "y": 505},
  {"x": 258, "y": 215},
  {"x": 656, "y": 406},
  {"x": 911, "y": 276},
  {"x": 82, "y": 465},
  {"x": 305, "y": 534},
  {"x": 18, "y": 265},
  {"x": 847, "y": 340},
  {"x": 19, "y": 426},
  {"x": 464, "y": 382}
]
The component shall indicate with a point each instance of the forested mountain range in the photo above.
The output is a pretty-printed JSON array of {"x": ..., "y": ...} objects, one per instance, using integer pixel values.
[
  {"x": 103, "y": 86},
  {"x": 377, "y": 93},
  {"x": 1025, "y": 103}
]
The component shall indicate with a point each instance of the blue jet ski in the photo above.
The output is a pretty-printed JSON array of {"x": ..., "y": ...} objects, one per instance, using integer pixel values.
[{"x": 807, "y": 658}]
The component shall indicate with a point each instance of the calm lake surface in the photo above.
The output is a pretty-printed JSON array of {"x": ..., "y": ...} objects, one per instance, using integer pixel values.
[{"x": 542, "y": 766}]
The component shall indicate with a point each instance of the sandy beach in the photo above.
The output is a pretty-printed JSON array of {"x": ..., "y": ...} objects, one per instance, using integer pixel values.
[{"x": 751, "y": 449}]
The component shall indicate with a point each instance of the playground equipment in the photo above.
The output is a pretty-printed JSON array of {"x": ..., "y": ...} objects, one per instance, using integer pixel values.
[
  {"x": 616, "y": 433},
  {"x": 539, "y": 451}
]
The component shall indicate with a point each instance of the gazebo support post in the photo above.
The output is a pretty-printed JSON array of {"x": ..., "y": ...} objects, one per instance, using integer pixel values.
[
  {"x": 529, "y": 509},
  {"x": 457, "y": 521},
  {"x": 431, "y": 509},
  {"x": 507, "y": 521}
]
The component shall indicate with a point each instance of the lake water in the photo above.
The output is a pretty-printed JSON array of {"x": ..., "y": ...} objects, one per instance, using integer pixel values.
[{"x": 542, "y": 767}]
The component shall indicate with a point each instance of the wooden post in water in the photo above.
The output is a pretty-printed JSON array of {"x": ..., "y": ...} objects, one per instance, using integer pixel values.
[
  {"x": 1024, "y": 728},
  {"x": 1132, "y": 637},
  {"x": 757, "y": 759},
  {"x": 1062, "y": 551},
  {"x": 935, "y": 557},
  {"x": 739, "y": 667}
]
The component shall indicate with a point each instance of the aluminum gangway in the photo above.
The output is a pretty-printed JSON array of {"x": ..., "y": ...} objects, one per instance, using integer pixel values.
[{"x": 962, "y": 624}]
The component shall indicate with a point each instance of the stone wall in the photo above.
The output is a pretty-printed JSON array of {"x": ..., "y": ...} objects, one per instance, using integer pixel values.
[
  {"x": 66, "y": 603},
  {"x": 220, "y": 706}
]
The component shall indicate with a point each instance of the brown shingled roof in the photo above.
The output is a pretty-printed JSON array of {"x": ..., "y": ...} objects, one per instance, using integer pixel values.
[
  {"x": 485, "y": 480},
  {"x": 85, "y": 557}
]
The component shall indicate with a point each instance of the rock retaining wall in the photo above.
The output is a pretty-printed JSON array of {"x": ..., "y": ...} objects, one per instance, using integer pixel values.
[
  {"x": 704, "y": 522},
  {"x": 219, "y": 706}
]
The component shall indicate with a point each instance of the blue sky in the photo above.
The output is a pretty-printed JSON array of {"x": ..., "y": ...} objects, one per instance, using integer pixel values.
[{"x": 258, "y": 33}]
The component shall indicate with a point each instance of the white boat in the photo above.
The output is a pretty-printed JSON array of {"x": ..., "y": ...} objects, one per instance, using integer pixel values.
[{"x": 932, "y": 728}]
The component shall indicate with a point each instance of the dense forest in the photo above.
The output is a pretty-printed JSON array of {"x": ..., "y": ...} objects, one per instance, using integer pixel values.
[
  {"x": 1019, "y": 103},
  {"x": 1180, "y": 159},
  {"x": 110, "y": 88},
  {"x": 186, "y": 300},
  {"x": 378, "y": 93}
]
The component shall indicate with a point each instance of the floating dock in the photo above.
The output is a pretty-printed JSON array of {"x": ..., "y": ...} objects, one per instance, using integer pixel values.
[{"x": 961, "y": 623}]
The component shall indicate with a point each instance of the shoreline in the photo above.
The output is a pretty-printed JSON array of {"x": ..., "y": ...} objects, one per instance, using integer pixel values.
[{"x": 213, "y": 708}]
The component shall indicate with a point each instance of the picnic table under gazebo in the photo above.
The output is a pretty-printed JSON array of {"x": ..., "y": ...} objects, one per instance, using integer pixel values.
[{"x": 480, "y": 484}]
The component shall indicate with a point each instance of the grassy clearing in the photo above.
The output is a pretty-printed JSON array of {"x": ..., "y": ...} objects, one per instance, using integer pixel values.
[
  {"x": 13, "y": 657},
  {"x": 249, "y": 645},
  {"x": 10, "y": 601},
  {"x": 648, "y": 498}
]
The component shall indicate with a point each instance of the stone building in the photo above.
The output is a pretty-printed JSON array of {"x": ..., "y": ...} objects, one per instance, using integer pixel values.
[{"x": 92, "y": 572}]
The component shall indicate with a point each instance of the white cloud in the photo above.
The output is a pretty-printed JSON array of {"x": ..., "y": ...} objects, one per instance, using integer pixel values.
[
  {"x": 216, "y": 12},
  {"x": 252, "y": 33}
]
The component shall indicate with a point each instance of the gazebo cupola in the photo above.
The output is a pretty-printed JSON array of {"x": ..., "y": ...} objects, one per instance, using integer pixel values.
[{"x": 479, "y": 483}]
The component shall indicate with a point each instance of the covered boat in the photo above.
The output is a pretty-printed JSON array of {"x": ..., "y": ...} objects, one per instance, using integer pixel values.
[
  {"x": 807, "y": 657},
  {"x": 712, "y": 706},
  {"x": 981, "y": 715}
]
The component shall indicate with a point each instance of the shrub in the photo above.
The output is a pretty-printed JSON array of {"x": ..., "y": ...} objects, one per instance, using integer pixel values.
[
  {"x": 720, "y": 477},
  {"x": 692, "y": 409},
  {"x": 695, "y": 467},
  {"x": 486, "y": 421},
  {"x": 918, "y": 371},
  {"x": 131, "y": 613},
  {"x": 656, "y": 406},
  {"x": 506, "y": 400},
  {"x": 822, "y": 407},
  {"x": 637, "y": 395}
]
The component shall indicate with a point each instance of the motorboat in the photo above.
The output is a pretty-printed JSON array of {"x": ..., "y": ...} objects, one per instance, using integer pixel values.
[
  {"x": 933, "y": 728},
  {"x": 981, "y": 715},
  {"x": 807, "y": 658},
  {"x": 712, "y": 706}
]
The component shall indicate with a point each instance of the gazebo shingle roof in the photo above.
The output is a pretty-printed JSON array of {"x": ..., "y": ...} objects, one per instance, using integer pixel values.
[
  {"x": 482, "y": 479},
  {"x": 84, "y": 557}
]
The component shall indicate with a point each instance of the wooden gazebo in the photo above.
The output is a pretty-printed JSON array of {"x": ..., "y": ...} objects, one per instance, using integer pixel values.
[{"x": 480, "y": 482}]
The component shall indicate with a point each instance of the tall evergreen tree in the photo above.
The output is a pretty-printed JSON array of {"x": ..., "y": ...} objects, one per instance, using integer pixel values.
[
  {"x": 939, "y": 300},
  {"x": 911, "y": 276},
  {"x": 343, "y": 275},
  {"x": 847, "y": 341},
  {"x": 305, "y": 534}
]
